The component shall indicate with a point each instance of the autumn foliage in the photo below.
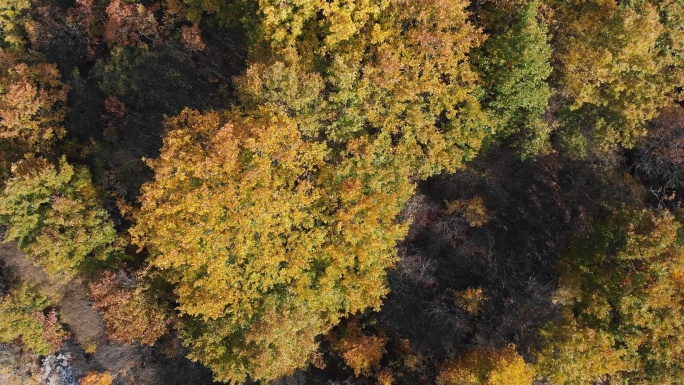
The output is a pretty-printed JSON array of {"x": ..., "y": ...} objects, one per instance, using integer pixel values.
[
  {"x": 622, "y": 284},
  {"x": 308, "y": 191},
  {"x": 32, "y": 108},
  {"x": 130, "y": 315},
  {"x": 487, "y": 366},
  {"x": 391, "y": 71},
  {"x": 614, "y": 70},
  {"x": 53, "y": 214},
  {"x": 25, "y": 316},
  {"x": 129, "y": 24},
  {"x": 360, "y": 351},
  {"x": 95, "y": 378},
  {"x": 266, "y": 245}
]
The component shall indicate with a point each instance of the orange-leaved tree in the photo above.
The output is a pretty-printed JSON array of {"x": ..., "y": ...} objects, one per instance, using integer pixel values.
[
  {"x": 32, "y": 108},
  {"x": 96, "y": 378},
  {"x": 360, "y": 351},
  {"x": 129, "y": 312}
]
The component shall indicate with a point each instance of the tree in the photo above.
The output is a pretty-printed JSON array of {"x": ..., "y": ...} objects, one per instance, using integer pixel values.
[
  {"x": 267, "y": 244},
  {"x": 487, "y": 366},
  {"x": 672, "y": 43},
  {"x": 516, "y": 66},
  {"x": 395, "y": 69},
  {"x": 129, "y": 313},
  {"x": 359, "y": 351},
  {"x": 129, "y": 24},
  {"x": 613, "y": 70},
  {"x": 622, "y": 284},
  {"x": 95, "y": 378},
  {"x": 54, "y": 214},
  {"x": 578, "y": 355},
  {"x": 13, "y": 16},
  {"x": 32, "y": 108},
  {"x": 24, "y": 316}
]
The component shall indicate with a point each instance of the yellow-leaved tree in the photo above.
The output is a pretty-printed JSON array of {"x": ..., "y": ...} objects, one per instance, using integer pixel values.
[
  {"x": 27, "y": 316},
  {"x": 615, "y": 69},
  {"x": 624, "y": 307},
  {"x": 268, "y": 239},
  {"x": 487, "y": 367},
  {"x": 274, "y": 221},
  {"x": 398, "y": 69}
]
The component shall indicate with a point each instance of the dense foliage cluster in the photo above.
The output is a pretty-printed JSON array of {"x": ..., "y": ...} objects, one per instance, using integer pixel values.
[
  {"x": 491, "y": 367},
  {"x": 129, "y": 313},
  {"x": 632, "y": 309},
  {"x": 54, "y": 215},
  {"x": 26, "y": 317},
  {"x": 319, "y": 191}
]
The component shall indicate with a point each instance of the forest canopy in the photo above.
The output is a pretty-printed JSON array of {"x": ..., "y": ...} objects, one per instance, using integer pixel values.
[{"x": 345, "y": 191}]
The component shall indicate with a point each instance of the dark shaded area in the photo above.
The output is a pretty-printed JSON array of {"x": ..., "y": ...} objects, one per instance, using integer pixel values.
[
  {"x": 659, "y": 162},
  {"x": 511, "y": 258},
  {"x": 146, "y": 86},
  {"x": 532, "y": 206},
  {"x": 138, "y": 365},
  {"x": 7, "y": 276},
  {"x": 59, "y": 41},
  {"x": 150, "y": 80}
]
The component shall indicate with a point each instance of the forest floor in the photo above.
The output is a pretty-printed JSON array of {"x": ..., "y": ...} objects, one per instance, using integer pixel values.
[{"x": 88, "y": 349}]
